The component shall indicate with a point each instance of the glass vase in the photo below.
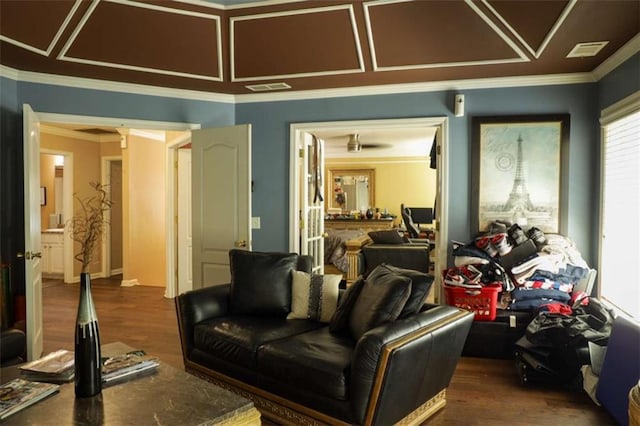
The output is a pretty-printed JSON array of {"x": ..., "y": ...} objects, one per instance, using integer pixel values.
[{"x": 88, "y": 377}]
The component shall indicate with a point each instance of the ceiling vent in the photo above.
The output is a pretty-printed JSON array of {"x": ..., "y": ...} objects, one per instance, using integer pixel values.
[
  {"x": 582, "y": 50},
  {"x": 267, "y": 87}
]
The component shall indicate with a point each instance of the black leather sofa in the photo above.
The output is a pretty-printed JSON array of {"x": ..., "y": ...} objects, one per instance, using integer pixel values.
[
  {"x": 353, "y": 370},
  {"x": 13, "y": 344}
]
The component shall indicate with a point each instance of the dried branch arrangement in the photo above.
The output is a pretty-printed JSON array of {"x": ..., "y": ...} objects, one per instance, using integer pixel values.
[{"x": 88, "y": 223}]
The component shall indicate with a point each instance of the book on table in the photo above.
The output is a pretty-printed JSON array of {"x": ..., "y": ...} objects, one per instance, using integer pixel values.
[
  {"x": 126, "y": 366},
  {"x": 19, "y": 394},
  {"x": 56, "y": 367}
]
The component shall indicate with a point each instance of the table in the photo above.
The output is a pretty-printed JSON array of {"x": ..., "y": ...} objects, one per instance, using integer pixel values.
[
  {"x": 168, "y": 397},
  {"x": 368, "y": 224}
]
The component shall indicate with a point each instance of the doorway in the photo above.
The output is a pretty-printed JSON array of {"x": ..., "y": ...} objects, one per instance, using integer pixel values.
[{"x": 440, "y": 124}]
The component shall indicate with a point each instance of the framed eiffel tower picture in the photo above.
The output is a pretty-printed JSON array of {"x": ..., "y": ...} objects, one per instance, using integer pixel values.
[{"x": 519, "y": 171}]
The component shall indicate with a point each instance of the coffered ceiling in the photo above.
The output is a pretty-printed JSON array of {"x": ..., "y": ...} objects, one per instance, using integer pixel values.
[{"x": 303, "y": 45}]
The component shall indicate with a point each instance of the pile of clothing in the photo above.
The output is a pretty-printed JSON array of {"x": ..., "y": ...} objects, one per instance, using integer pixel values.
[{"x": 537, "y": 271}]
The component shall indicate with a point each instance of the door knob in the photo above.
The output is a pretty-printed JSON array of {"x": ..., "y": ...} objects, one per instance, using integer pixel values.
[
  {"x": 240, "y": 243},
  {"x": 29, "y": 255}
]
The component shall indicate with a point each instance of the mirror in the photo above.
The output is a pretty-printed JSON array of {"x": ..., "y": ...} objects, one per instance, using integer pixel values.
[{"x": 350, "y": 190}]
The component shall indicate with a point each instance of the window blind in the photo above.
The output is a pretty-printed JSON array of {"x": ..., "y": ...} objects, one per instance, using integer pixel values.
[{"x": 620, "y": 239}]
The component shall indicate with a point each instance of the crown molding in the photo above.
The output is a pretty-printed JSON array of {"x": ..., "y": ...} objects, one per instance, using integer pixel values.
[
  {"x": 625, "y": 52},
  {"x": 112, "y": 86},
  {"x": 483, "y": 83}
]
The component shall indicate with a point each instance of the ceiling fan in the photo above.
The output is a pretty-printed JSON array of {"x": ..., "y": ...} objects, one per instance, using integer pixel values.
[{"x": 354, "y": 144}]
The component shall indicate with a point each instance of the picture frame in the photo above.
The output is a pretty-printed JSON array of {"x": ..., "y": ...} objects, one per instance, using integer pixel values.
[
  {"x": 519, "y": 171},
  {"x": 43, "y": 195}
]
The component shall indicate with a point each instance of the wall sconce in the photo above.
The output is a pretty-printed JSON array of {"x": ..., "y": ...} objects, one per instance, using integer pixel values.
[{"x": 458, "y": 106}]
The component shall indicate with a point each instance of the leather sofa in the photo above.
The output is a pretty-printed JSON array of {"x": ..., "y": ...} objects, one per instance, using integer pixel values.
[
  {"x": 383, "y": 358},
  {"x": 13, "y": 344},
  {"x": 410, "y": 255}
]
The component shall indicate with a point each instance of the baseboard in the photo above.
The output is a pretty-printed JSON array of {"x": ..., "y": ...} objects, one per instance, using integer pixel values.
[{"x": 129, "y": 283}]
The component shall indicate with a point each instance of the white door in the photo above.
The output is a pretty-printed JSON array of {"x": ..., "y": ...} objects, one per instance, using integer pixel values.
[
  {"x": 312, "y": 205},
  {"x": 185, "y": 244},
  {"x": 32, "y": 235},
  {"x": 221, "y": 192}
]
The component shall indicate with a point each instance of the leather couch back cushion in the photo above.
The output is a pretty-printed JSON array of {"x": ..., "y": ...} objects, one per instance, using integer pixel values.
[
  {"x": 380, "y": 301},
  {"x": 387, "y": 237},
  {"x": 340, "y": 319},
  {"x": 420, "y": 286},
  {"x": 261, "y": 282}
]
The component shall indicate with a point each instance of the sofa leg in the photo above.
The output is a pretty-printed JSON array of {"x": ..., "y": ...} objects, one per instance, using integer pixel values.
[{"x": 426, "y": 410}]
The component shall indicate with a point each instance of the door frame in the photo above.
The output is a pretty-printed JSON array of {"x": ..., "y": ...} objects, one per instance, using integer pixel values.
[
  {"x": 296, "y": 134},
  {"x": 105, "y": 177},
  {"x": 170, "y": 225}
]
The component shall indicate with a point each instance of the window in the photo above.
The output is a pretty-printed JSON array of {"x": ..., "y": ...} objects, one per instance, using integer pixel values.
[{"x": 619, "y": 267}]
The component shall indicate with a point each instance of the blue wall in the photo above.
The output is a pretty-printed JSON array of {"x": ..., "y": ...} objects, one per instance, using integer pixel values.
[
  {"x": 271, "y": 120},
  {"x": 270, "y": 151}
]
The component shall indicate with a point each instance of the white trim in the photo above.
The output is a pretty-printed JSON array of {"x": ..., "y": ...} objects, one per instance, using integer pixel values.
[
  {"x": 105, "y": 176},
  {"x": 549, "y": 35},
  {"x": 63, "y": 53},
  {"x": 620, "y": 109},
  {"x": 155, "y": 135},
  {"x": 115, "y": 122},
  {"x": 612, "y": 62},
  {"x": 113, "y": 86},
  {"x": 487, "y": 83},
  {"x": 521, "y": 56},
  {"x": 171, "y": 212},
  {"x": 296, "y": 139},
  {"x": 55, "y": 39},
  {"x": 354, "y": 29}
]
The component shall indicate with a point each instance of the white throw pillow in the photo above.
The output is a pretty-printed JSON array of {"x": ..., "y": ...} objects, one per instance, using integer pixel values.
[{"x": 314, "y": 296}]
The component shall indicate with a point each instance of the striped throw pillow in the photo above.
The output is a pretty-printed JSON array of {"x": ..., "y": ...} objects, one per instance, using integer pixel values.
[{"x": 314, "y": 296}]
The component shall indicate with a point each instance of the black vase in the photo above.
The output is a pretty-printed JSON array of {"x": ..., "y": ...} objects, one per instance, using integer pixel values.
[{"x": 88, "y": 377}]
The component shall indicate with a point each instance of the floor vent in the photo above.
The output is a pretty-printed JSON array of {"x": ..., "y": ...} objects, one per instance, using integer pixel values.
[
  {"x": 268, "y": 87},
  {"x": 582, "y": 50}
]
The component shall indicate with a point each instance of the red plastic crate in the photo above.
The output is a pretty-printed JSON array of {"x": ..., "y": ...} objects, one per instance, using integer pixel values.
[{"x": 482, "y": 302}]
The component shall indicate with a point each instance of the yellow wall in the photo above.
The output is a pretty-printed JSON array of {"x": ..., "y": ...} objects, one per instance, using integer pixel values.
[
  {"x": 403, "y": 180},
  {"x": 144, "y": 199}
]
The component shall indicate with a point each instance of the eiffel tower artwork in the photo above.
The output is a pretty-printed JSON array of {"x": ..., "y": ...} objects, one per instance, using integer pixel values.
[{"x": 519, "y": 198}]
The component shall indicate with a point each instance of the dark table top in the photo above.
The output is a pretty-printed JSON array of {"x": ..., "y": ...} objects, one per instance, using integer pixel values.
[{"x": 168, "y": 397}]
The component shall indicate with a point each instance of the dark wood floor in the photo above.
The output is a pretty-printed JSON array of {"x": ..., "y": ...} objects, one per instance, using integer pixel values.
[{"x": 482, "y": 392}]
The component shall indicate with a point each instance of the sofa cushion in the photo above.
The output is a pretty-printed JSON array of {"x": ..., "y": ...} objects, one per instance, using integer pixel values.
[
  {"x": 390, "y": 236},
  {"x": 420, "y": 286},
  {"x": 261, "y": 282},
  {"x": 380, "y": 301},
  {"x": 316, "y": 357},
  {"x": 340, "y": 319},
  {"x": 236, "y": 339},
  {"x": 314, "y": 296}
]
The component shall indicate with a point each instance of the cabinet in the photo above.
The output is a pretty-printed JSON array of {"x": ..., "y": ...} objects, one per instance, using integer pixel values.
[{"x": 52, "y": 253}]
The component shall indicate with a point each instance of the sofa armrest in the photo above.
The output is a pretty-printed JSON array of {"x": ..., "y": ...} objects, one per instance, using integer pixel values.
[
  {"x": 198, "y": 305},
  {"x": 399, "y": 366}
]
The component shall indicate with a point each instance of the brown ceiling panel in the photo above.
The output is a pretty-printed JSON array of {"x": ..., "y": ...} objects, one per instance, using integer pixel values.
[
  {"x": 45, "y": 16},
  {"x": 317, "y": 41},
  {"x": 424, "y": 33},
  {"x": 149, "y": 38},
  {"x": 533, "y": 21}
]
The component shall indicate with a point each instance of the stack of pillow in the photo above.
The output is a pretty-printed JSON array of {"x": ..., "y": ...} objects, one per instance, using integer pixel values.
[
  {"x": 388, "y": 293},
  {"x": 270, "y": 284}
]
